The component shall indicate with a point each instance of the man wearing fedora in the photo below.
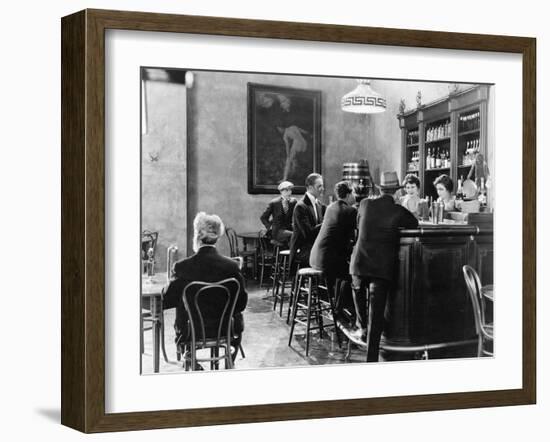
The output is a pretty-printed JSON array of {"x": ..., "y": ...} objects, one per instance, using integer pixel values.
[
  {"x": 278, "y": 214},
  {"x": 373, "y": 262}
]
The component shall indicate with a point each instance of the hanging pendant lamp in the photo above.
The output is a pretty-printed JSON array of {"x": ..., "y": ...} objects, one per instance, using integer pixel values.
[{"x": 363, "y": 100}]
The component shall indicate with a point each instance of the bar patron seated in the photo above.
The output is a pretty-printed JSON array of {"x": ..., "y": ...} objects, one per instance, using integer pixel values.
[{"x": 351, "y": 238}]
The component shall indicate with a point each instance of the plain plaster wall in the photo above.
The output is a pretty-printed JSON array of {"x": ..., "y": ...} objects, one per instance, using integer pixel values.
[
  {"x": 163, "y": 181},
  {"x": 216, "y": 122}
]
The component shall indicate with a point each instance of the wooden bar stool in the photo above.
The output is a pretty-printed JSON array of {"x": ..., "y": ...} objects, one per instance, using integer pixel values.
[
  {"x": 277, "y": 248},
  {"x": 308, "y": 305},
  {"x": 281, "y": 280},
  {"x": 293, "y": 277}
]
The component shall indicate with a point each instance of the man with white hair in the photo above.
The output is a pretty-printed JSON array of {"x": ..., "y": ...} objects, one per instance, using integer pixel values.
[{"x": 206, "y": 265}]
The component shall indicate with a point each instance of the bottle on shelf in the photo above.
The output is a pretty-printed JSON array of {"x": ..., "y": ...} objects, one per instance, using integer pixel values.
[
  {"x": 437, "y": 159},
  {"x": 429, "y": 159}
]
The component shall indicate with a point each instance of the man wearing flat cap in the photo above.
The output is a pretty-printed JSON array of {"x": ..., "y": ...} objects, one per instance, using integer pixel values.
[
  {"x": 373, "y": 262},
  {"x": 278, "y": 214}
]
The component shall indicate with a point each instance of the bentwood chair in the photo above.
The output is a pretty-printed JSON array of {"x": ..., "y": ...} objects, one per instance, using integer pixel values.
[
  {"x": 148, "y": 242},
  {"x": 249, "y": 256},
  {"x": 210, "y": 307},
  {"x": 484, "y": 330}
]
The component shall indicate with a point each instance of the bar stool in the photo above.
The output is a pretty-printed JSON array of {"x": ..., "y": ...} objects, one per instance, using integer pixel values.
[
  {"x": 307, "y": 301},
  {"x": 278, "y": 246},
  {"x": 284, "y": 274},
  {"x": 293, "y": 277}
]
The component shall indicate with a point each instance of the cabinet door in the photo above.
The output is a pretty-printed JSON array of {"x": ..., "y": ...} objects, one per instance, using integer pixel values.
[
  {"x": 400, "y": 305},
  {"x": 484, "y": 259},
  {"x": 441, "y": 290}
]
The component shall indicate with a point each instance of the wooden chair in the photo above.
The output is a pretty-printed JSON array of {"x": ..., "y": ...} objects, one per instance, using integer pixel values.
[
  {"x": 214, "y": 331},
  {"x": 484, "y": 330},
  {"x": 148, "y": 241},
  {"x": 248, "y": 256}
]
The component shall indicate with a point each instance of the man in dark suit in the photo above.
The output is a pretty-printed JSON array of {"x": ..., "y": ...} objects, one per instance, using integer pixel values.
[
  {"x": 206, "y": 265},
  {"x": 332, "y": 248},
  {"x": 278, "y": 214},
  {"x": 307, "y": 219},
  {"x": 374, "y": 259}
]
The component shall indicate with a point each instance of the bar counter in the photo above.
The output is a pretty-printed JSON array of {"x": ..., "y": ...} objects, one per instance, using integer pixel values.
[{"x": 429, "y": 304}]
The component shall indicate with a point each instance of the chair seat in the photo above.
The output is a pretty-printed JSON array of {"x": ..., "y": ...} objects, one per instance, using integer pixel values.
[
  {"x": 247, "y": 252},
  {"x": 308, "y": 271},
  {"x": 284, "y": 253}
]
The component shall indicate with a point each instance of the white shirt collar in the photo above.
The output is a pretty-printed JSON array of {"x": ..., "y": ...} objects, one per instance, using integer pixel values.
[
  {"x": 313, "y": 203},
  {"x": 311, "y": 198}
]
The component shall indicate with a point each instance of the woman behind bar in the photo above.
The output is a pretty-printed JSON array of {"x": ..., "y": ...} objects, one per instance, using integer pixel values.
[
  {"x": 411, "y": 201},
  {"x": 444, "y": 187}
]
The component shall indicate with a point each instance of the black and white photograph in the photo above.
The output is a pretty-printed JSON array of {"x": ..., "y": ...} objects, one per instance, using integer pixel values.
[{"x": 306, "y": 220}]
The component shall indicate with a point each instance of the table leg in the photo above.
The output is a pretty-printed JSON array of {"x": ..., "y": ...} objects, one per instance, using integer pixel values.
[
  {"x": 156, "y": 311},
  {"x": 156, "y": 345}
]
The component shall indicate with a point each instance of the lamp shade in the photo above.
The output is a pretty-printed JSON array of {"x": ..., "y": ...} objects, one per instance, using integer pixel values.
[{"x": 363, "y": 100}]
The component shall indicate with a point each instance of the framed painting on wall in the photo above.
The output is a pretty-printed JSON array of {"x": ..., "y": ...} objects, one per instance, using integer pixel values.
[{"x": 284, "y": 136}]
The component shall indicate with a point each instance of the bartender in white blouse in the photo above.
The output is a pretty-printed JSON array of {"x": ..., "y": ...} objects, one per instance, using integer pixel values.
[
  {"x": 411, "y": 201},
  {"x": 444, "y": 187}
]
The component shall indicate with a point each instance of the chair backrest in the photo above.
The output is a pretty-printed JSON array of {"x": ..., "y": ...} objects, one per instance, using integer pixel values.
[
  {"x": 233, "y": 241},
  {"x": 171, "y": 258},
  {"x": 210, "y": 307},
  {"x": 264, "y": 242},
  {"x": 474, "y": 290},
  {"x": 239, "y": 260},
  {"x": 148, "y": 241}
]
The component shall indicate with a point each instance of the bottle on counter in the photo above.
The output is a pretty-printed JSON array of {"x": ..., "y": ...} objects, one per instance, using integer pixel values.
[
  {"x": 460, "y": 192},
  {"x": 482, "y": 195}
]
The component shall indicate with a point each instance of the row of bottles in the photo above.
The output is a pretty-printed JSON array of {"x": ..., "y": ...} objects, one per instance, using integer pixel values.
[
  {"x": 414, "y": 162},
  {"x": 468, "y": 122},
  {"x": 470, "y": 152},
  {"x": 438, "y": 160},
  {"x": 412, "y": 137},
  {"x": 481, "y": 196},
  {"x": 434, "y": 133}
]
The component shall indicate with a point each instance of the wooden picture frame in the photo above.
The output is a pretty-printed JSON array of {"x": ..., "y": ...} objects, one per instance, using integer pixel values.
[
  {"x": 83, "y": 220},
  {"x": 290, "y": 119}
]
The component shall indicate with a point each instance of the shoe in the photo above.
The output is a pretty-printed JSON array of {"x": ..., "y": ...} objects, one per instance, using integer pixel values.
[
  {"x": 198, "y": 367},
  {"x": 359, "y": 334}
]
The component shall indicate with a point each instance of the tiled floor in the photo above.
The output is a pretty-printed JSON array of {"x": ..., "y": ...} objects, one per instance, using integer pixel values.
[{"x": 265, "y": 341}]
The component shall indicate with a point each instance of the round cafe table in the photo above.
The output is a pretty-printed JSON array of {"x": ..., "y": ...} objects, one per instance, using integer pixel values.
[{"x": 151, "y": 300}]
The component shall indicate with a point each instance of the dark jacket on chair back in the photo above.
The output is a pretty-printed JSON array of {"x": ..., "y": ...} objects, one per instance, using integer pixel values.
[
  {"x": 333, "y": 246},
  {"x": 279, "y": 219},
  {"x": 305, "y": 228},
  {"x": 207, "y": 265},
  {"x": 378, "y": 221}
]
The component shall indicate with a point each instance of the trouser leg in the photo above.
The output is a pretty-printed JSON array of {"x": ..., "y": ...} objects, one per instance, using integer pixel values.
[
  {"x": 378, "y": 295},
  {"x": 359, "y": 301}
]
